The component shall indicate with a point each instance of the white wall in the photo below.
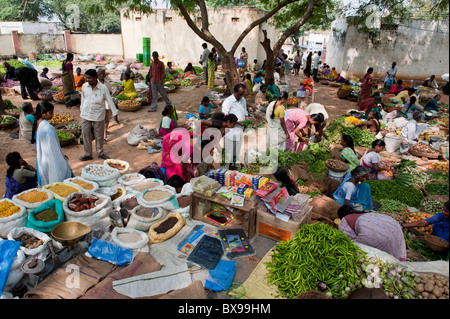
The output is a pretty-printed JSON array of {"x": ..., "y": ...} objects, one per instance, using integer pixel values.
[
  {"x": 6, "y": 45},
  {"x": 29, "y": 27},
  {"x": 420, "y": 48},
  {"x": 176, "y": 41},
  {"x": 105, "y": 44}
]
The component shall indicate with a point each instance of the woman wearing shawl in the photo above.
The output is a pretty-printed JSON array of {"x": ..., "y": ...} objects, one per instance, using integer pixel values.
[
  {"x": 371, "y": 160},
  {"x": 177, "y": 149},
  {"x": 353, "y": 191},
  {"x": 348, "y": 153},
  {"x": 366, "y": 87},
  {"x": 375, "y": 230},
  {"x": 51, "y": 163},
  {"x": 68, "y": 80},
  {"x": 373, "y": 121}
]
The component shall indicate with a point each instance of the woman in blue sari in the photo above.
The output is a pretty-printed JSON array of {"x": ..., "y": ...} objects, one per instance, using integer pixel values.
[
  {"x": 353, "y": 191},
  {"x": 51, "y": 163},
  {"x": 20, "y": 176}
]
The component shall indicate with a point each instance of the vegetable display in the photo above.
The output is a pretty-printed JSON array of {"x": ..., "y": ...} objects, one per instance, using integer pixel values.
[
  {"x": 433, "y": 286},
  {"x": 59, "y": 95},
  {"x": 186, "y": 82},
  {"x": 353, "y": 120},
  {"x": 318, "y": 254},
  {"x": 62, "y": 136},
  {"x": 392, "y": 206},
  {"x": 60, "y": 118},
  {"x": 432, "y": 206},
  {"x": 360, "y": 137},
  {"x": 413, "y": 217},
  {"x": 390, "y": 189},
  {"x": 440, "y": 166},
  {"x": 437, "y": 189},
  {"x": 7, "y": 119}
]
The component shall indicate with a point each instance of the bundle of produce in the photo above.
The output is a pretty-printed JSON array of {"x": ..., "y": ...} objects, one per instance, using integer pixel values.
[
  {"x": 360, "y": 137},
  {"x": 122, "y": 97},
  {"x": 168, "y": 77},
  {"x": 318, "y": 258},
  {"x": 404, "y": 163},
  {"x": 62, "y": 136},
  {"x": 186, "y": 82},
  {"x": 7, "y": 119},
  {"x": 413, "y": 217},
  {"x": 405, "y": 180},
  {"x": 433, "y": 286},
  {"x": 419, "y": 177},
  {"x": 437, "y": 188},
  {"x": 390, "y": 189},
  {"x": 60, "y": 118},
  {"x": 198, "y": 70},
  {"x": 440, "y": 166},
  {"x": 392, "y": 206}
]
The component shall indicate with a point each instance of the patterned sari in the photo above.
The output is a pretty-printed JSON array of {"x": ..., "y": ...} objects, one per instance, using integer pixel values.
[
  {"x": 68, "y": 85},
  {"x": 361, "y": 196},
  {"x": 176, "y": 147},
  {"x": 14, "y": 188},
  {"x": 211, "y": 74},
  {"x": 350, "y": 156}
]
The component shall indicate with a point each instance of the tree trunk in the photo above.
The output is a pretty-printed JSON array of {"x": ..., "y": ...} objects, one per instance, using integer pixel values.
[
  {"x": 270, "y": 59},
  {"x": 231, "y": 72},
  {"x": 2, "y": 105}
]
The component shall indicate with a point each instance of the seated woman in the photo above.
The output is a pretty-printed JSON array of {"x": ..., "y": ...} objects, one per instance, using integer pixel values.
[
  {"x": 188, "y": 70},
  {"x": 373, "y": 229},
  {"x": 348, "y": 153},
  {"x": 410, "y": 107},
  {"x": 353, "y": 191},
  {"x": 282, "y": 175},
  {"x": 334, "y": 74},
  {"x": 340, "y": 79},
  {"x": 308, "y": 84},
  {"x": 411, "y": 131},
  {"x": 167, "y": 123},
  {"x": 19, "y": 176},
  {"x": 26, "y": 121},
  {"x": 439, "y": 222},
  {"x": 431, "y": 82},
  {"x": 206, "y": 107},
  {"x": 396, "y": 88},
  {"x": 373, "y": 122},
  {"x": 257, "y": 78},
  {"x": 177, "y": 151},
  {"x": 79, "y": 79},
  {"x": 247, "y": 82},
  {"x": 127, "y": 87},
  {"x": 433, "y": 104},
  {"x": 344, "y": 90},
  {"x": 272, "y": 88},
  {"x": 371, "y": 160}
]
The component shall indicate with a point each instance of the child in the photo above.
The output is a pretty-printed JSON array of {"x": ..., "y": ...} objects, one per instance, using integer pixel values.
[
  {"x": 167, "y": 123},
  {"x": 282, "y": 176},
  {"x": 206, "y": 103},
  {"x": 20, "y": 176}
]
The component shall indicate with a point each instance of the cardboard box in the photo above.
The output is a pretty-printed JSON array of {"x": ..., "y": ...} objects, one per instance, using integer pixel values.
[{"x": 268, "y": 225}]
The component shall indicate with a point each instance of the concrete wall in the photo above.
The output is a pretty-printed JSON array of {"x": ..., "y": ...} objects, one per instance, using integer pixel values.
[
  {"x": 175, "y": 40},
  {"x": 6, "y": 45},
  {"x": 420, "y": 48},
  {"x": 105, "y": 44},
  {"x": 42, "y": 43},
  {"x": 29, "y": 27}
]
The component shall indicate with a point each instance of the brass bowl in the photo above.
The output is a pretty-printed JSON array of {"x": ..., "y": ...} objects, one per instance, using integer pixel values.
[{"x": 70, "y": 232}]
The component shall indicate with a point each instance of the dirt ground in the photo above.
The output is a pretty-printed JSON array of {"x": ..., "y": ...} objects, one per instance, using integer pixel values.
[{"x": 186, "y": 101}]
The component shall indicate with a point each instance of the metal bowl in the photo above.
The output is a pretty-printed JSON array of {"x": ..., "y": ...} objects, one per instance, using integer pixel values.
[
  {"x": 107, "y": 191},
  {"x": 70, "y": 232}
]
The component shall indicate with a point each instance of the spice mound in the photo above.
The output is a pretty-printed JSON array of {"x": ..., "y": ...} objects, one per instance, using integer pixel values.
[
  {"x": 7, "y": 209},
  {"x": 166, "y": 225},
  {"x": 34, "y": 196},
  {"x": 83, "y": 184},
  {"x": 129, "y": 237},
  {"x": 147, "y": 184},
  {"x": 62, "y": 190},
  {"x": 47, "y": 215},
  {"x": 156, "y": 195}
]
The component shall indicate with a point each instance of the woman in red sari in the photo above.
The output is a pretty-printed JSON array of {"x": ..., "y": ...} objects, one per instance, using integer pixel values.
[
  {"x": 177, "y": 150},
  {"x": 366, "y": 87}
]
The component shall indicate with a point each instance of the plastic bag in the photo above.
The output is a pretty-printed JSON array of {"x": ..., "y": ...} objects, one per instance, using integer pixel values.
[
  {"x": 111, "y": 253},
  {"x": 44, "y": 226},
  {"x": 137, "y": 134},
  {"x": 221, "y": 277},
  {"x": 15, "y": 220},
  {"x": 8, "y": 251}
]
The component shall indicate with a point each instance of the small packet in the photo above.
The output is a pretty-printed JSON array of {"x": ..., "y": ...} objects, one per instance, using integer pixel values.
[{"x": 237, "y": 200}]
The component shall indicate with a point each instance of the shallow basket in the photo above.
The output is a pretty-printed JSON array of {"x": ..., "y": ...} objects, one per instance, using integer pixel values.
[
  {"x": 45, "y": 97},
  {"x": 7, "y": 125},
  {"x": 414, "y": 152},
  {"x": 436, "y": 243},
  {"x": 131, "y": 108},
  {"x": 331, "y": 160},
  {"x": 441, "y": 198},
  {"x": 434, "y": 182},
  {"x": 334, "y": 84},
  {"x": 313, "y": 295}
]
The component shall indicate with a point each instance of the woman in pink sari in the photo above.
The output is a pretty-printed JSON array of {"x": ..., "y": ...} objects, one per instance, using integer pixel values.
[
  {"x": 177, "y": 150},
  {"x": 296, "y": 120}
]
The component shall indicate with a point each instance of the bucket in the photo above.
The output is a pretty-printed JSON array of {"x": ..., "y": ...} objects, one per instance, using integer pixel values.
[
  {"x": 393, "y": 142},
  {"x": 339, "y": 176},
  {"x": 444, "y": 150},
  {"x": 301, "y": 93}
]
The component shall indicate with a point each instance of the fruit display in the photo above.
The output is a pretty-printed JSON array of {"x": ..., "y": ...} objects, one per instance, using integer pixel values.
[
  {"x": 440, "y": 166},
  {"x": 59, "y": 95},
  {"x": 129, "y": 103},
  {"x": 293, "y": 101},
  {"x": 413, "y": 217},
  {"x": 60, "y": 118}
]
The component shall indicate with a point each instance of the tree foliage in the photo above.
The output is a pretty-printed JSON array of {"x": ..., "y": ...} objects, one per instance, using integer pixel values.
[{"x": 21, "y": 10}]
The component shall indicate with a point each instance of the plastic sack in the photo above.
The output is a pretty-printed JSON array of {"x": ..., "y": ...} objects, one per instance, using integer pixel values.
[
  {"x": 111, "y": 253},
  {"x": 117, "y": 231},
  {"x": 102, "y": 181},
  {"x": 8, "y": 251},
  {"x": 143, "y": 223},
  {"x": 16, "y": 220},
  {"x": 71, "y": 181},
  {"x": 131, "y": 179},
  {"x": 30, "y": 206},
  {"x": 137, "y": 134},
  {"x": 124, "y": 164},
  {"x": 44, "y": 226},
  {"x": 168, "y": 203},
  {"x": 91, "y": 216},
  {"x": 221, "y": 277}
]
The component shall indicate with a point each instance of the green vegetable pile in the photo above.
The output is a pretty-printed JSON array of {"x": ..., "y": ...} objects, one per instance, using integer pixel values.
[
  {"x": 441, "y": 177},
  {"x": 432, "y": 206},
  {"x": 8, "y": 105},
  {"x": 122, "y": 97},
  {"x": 50, "y": 63},
  {"x": 246, "y": 123},
  {"x": 198, "y": 70},
  {"x": 14, "y": 63},
  {"x": 437, "y": 189},
  {"x": 186, "y": 82},
  {"x": 391, "y": 206},
  {"x": 360, "y": 137},
  {"x": 168, "y": 77},
  {"x": 318, "y": 254},
  {"x": 7, "y": 119},
  {"x": 62, "y": 136},
  {"x": 390, "y": 189}
]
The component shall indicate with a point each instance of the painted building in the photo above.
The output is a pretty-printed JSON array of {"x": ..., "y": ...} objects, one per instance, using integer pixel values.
[
  {"x": 419, "y": 47},
  {"x": 174, "y": 39}
]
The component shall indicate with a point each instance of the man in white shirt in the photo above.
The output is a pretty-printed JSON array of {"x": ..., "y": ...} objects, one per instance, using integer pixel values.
[
  {"x": 411, "y": 131},
  {"x": 304, "y": 57},
  {"x": 204, "y": 61},
  {"x": 237, "y": 105},
  {"x": 390, "y": 75},
  {"x": 94, "y": 95},
  {"x": 316, "y": 60}
]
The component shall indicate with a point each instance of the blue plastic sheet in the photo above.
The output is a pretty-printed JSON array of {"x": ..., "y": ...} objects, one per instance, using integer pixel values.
[
  {"x": 114, "y": 254},
  {"x": 8, "y": 251},
  {"x": 221, "y": 277}
]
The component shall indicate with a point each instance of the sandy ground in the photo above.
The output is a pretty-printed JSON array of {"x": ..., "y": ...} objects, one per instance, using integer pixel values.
[{"x": 186, "y": 101}]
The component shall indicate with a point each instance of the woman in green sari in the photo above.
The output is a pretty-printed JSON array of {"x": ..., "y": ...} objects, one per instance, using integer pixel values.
[
  {"x": 68, "y": 80},
  {"x": 348, "y": 154},
  {"x": 211, "y": 71}
]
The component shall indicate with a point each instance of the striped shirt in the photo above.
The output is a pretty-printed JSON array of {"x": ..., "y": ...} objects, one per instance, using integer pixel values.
[{"x": 157, "y": 72}]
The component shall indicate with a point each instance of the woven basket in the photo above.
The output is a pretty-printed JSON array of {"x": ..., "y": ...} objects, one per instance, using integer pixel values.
[
  {"x": 60, "y": 101},
  {"x": 328, "y": 163},
  {"x": 415, "y": 256},
  {"x": 436, "y": 243},
  {"x": 7, "y": 125},
  {"x": 435, "y": 182},
  {"x": 441, "y": 198},
  {"x": 313, "y": 295},
  {"x": 433, "y": 154},
  {"x": 127, "y": 108},
  {"x": 45, "y": 97}
]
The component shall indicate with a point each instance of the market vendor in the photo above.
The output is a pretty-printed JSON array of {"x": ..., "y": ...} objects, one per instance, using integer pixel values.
[
  {"x": 167, "y": 123},
  {"x": 431, "y": 82},
  {"x": 261, "y": 102},
  {"x": 26, "y": 121},
  {"x": 397, "y": 87},
  {"x": 439, "y": 222},
  {"x": 348, "y": 153},
  {"x": 257, "y": 78},
  {"x": 29, "y": 82},
  {"x": 9, "y": 74},
  {"x": 277, "y": 132},
  {"x": 272, "y": 88},
  {"x": 366, "y": 87},
  {"x": 410, "y": 107},
  {"x": 127, "y": 87},
  {"x": 345, "y": 90},
  {"x": 373, "y": 122},
  {"x": 375, "y": 230},
  {"x": 177, "y": 150},
  {"x": 298, "y": 124},
  {"x": 433, "y": 104},
  {"x": 405, "y": 95},
  {"x": 308, "y": 85},
  {"x": 19, "y": 176},
  {"x": 206, "y": 107},
  {"x": 353, "y": 191},
  {"x": 319, "y": 123},
  {"x": 79, "y": 79},
  {"x": 247, "y": 82},
  {"x": 372, "y": 161},
  {"x": 218, "y": 121},
  {"x": 282, "y": 175},
  {"x": 169, "y": 68},
  {"x": 411, "y": 131},
  {"x": 129, "y": 71}
]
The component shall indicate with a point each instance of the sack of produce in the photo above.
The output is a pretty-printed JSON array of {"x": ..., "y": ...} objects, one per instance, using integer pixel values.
[
  {"x": 61, "y": 190},
  {"x": 148, "y": 183},
  {"x": 103, "y": 175},
  {"x": 131, "y": 179},
  {"x": 85, "y": 185},
  {"x": 129, "y": 238},
  {"x": 87, "y": 208},
  {"x": 46, "y": 216},
  {"x": 326, "y": 206},
  {"x": 128, "y": 201},
  {"x": 166, "y": 228},
  {"x": 161, "y": 197},
  {"x": 122, "y": 166},
  {"x": 142, "y": 218},
  {"x": 118, "y": 197},
  {"x": 11, "y": 215},
  {"x": 32, "y": 198},
  {"x": 34, "y": 242}
]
